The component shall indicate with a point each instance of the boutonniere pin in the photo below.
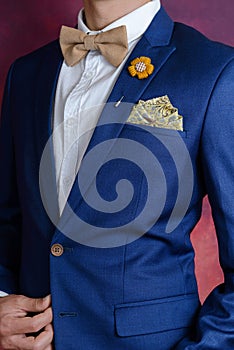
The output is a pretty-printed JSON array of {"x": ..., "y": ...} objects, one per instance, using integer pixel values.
[{"x": 141, "y": 67}]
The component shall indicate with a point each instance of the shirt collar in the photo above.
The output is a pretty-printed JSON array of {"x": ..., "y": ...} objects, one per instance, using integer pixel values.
[{"x": 143, "y": 15}]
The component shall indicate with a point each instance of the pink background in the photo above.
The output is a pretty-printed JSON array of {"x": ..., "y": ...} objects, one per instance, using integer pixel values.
[{"x": 27, "y": 24}]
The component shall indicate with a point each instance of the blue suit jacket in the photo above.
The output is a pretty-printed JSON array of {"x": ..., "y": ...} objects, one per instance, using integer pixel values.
[{"x": 142, "y": 295}]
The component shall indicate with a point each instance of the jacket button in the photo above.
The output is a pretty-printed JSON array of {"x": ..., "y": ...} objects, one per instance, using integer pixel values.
[{"x": 57, "y": 249}]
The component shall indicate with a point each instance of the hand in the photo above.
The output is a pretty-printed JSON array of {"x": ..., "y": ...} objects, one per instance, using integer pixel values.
[{"x": 16, "y": 326}]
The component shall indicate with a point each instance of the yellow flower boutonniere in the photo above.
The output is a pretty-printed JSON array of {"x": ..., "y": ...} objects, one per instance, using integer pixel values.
[{"x": 141, "y": 67}]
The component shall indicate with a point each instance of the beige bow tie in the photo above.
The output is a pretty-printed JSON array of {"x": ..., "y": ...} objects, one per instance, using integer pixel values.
[{"x": 75, "y": 44}]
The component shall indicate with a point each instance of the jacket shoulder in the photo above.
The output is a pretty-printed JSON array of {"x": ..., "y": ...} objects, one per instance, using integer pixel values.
[
  {"x": 28, "y": 66},
  {"x": 197, "y": 48},
  {"x": 38, "y": 54}
]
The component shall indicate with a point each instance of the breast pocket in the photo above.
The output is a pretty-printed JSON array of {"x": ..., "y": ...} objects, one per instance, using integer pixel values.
[{"x": 157, "y": 131}]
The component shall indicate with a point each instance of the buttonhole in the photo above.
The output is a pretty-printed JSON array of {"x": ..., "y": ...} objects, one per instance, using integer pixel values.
[
  {"x": 68, "y": 314},
  {"x": 68, "y": 250}
]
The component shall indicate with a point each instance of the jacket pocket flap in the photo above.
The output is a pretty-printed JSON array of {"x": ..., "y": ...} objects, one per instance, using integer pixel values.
[{"x": 156, "y": 315}]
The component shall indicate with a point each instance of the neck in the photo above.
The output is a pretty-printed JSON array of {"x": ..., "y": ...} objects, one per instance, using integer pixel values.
[{"x": 101, "y": 13}]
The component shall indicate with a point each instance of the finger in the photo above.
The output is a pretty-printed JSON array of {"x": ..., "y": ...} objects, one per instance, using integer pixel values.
[
  {"x": 45, "y": 338},
  {"x": 50, "y": 347},
  {"x": 32, "y": 304},
  {"x": 13, "y": 342},
  {"x": 22, "y": 342},
  {"x": 41, "y": 342},
  {"x": 26, "y": 325}
]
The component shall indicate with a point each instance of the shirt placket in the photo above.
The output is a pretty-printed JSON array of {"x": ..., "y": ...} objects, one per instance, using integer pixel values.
[{"x": 72, "y": 124}]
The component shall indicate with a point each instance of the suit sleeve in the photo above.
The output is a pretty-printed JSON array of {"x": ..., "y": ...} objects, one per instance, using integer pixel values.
[
  {"x": 215, "y": 324},
  {"x": 10, "y": 218}
]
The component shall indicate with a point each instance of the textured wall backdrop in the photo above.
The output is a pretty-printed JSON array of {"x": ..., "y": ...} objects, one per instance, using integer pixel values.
[{"x": 27, "y": 24}]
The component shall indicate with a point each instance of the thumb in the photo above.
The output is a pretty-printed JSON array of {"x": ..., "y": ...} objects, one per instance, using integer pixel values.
[{"x": 34, "y": 304}]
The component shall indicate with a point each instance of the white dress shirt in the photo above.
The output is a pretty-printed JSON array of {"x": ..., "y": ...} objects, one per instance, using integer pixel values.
[{"x": 81, "y": 92}]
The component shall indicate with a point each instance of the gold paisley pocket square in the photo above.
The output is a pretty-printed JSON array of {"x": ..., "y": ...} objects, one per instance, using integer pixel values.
[{"x": 158, "y": 112}]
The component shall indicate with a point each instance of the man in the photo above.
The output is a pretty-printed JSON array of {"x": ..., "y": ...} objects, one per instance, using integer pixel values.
[{"x": 141, "y": 295}]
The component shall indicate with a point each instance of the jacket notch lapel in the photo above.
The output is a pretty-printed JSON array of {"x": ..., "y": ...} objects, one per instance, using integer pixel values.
[
  {"x": 154, "y": 44},
  {"x": 46, "y": 83}
]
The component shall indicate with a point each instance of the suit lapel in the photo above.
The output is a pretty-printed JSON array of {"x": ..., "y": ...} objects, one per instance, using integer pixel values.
[
  {"x": 155, "y": 44},
  {"x": 48, "y": 73},
  {"x": 46, "y": 83}
]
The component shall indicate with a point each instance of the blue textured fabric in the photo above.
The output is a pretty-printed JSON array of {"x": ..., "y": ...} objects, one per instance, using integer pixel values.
[{"x": 142, "y": 295}]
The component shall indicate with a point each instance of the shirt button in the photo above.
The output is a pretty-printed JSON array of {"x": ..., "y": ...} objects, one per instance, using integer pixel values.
[
  {"x": 67, "y": 181},
  {"x": 71, "y": 122},
  {"x": 89, "y": 75},
  {"x": 57, "y": 249}
]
